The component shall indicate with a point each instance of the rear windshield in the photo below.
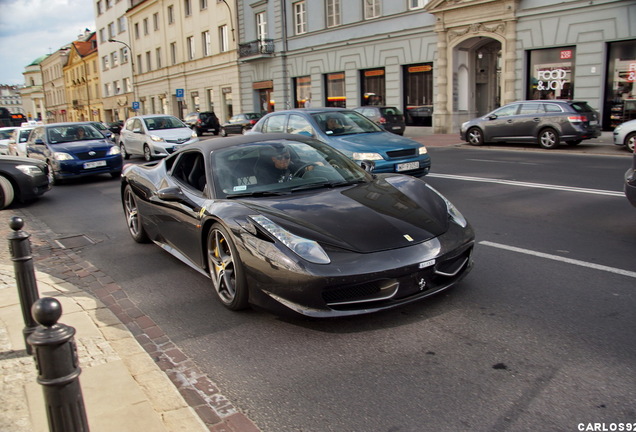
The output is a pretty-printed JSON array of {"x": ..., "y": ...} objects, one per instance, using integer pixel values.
[
  {"x": 390, "y": 111},
  {"x": 581, "y": 107}
]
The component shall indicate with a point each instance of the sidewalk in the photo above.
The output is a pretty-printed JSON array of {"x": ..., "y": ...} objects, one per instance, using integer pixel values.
[{"x": 125, "y": 389}]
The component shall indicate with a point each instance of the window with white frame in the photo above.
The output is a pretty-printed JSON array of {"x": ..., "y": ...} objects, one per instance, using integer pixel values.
[
  {"x": 333, "y": 13},
  {"x": 121, "y": 24},
  {"x": 190, "y": 46},
  {"x": 371, "y": 9},
  {"x": 105, "y": 63},
  {"x": 173, "y": 53},
  {"x": 136, "y": 26},
  {"x": 224, "y": 42},
  {"x": 127, "y": 85},
  {"x": 114, "y": 60},
  {"x": 124, "y": 55},
  {"x": 100, "y": 7},
  {"x": 171, "y": 14},
  {"x": 145, "y": 26},
  {"x": 111, "y": 30},
  {"x": 158, "y": 58},
  {"x": 140, "y": 67},
  {"x": 102, "y": 35},
  {"x": 206, "y": 43},
  {"x": 148, "y": 61},
  {"x": 155, "y": 21},
  {"x": 106, "y": 89},
  {"x": 261, "y": 26},
  {"x": 300, "y": 17},
  {"x": 116, "y": 87},
  {"x": 203, "y": 4},
  {"x": 417, "y": 4},
  {"x": 187, "y": 7}
]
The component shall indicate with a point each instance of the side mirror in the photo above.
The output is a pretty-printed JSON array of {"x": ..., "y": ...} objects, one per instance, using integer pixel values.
[
  {"x": 39, "y": 141},
  {"x": 171, "y": 194},
  {"x": 492, "y": 117},
  {"x": 138, "y": 131},
  {"x": 367, "y": 165}
]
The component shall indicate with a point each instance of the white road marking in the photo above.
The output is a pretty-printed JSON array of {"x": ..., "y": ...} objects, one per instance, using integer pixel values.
[
  {"x": 529, "y": 185},
  {"x": 561, "y": 259},
  {"x": 503, "y": 162}
]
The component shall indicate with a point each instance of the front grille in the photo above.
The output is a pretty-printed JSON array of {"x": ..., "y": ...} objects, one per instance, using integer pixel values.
[
  {"x": 350, "y": 293},
  {"x": 86, "y": 156},
  {"x": 401, "y": 153},
  {"x": 177, "y": 141}
]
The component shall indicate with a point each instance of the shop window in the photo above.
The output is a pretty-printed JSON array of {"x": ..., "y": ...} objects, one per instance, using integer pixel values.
[
  {"x": 373, "y": 87},
  {"x": 620, "y": 89},
  {"x": 551, "y": 73},
  {"x": 335, "y": 90},
  {"x": 302, "y": 89},
  {"x": 418, "y": 94}
]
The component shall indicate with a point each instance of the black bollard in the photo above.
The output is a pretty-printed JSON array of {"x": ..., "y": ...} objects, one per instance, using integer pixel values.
[
  {"x": 58, "y": 368},
  {"x": 20, "y": 249}
]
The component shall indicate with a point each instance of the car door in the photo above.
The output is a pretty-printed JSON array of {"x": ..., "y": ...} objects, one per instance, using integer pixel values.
[
  {"x": 136, "y": 137},
  {"x": 528, "y": 121},
  {"x": 499, "y": 124},
  {"x": 36, "y": 145},
  {"x": 234, "y": 126}
]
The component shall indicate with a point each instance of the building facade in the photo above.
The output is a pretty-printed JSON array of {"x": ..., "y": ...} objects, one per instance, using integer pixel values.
[
  {"x": 52, "y": 68},
  {"x": 33, "y": 93},
  {"x": 185, "y": 56},
  {"x": 456, "y": 59},
  {"x": 11, "y": 99},
  {"x": 82, "y": 80}
]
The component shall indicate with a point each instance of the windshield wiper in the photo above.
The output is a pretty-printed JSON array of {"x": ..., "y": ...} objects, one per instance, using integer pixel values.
[
  {"x": 257, "y": 194},
  {"x": 327, "y": 185}
]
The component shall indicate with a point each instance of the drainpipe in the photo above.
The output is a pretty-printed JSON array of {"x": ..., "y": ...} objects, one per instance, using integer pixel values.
[{"x": 284, "y": 54}]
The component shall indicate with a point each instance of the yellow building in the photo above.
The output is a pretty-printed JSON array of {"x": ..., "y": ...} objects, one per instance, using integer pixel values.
[{"x": 81, "y": 78}]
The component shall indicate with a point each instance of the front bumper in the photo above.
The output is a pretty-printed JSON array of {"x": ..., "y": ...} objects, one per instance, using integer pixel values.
[{"x": 79, "y": 168}]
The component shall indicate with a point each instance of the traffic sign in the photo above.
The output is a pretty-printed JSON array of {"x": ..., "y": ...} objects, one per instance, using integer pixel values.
[
  {"x": 135, "y": 106},
  {"x": 180, "y": 93}
]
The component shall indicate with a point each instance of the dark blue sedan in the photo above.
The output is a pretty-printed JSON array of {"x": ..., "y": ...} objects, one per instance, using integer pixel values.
[
  {"x": 74, "y": 150},
  {"x": 354, "y": 135}
]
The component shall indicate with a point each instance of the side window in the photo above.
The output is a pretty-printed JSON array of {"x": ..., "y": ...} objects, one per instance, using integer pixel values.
[
  {"x": 130, "y": 125},
  {"x": 137, "y": 125},
  {"x": 507, "y": 110},
  {"x": 553, "y": 108},
  {"x": 299, "y": 125},
  {"x": 190, "y": 170},
  {"x": 531, "y": 108},
  {"x": 275, "y": 124}
]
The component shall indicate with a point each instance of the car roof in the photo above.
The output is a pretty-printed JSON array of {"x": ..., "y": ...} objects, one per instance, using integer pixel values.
[
  {"x": 207, "y": 146},
  {"x": 153, "y": 116},
  {"x": 311, "y": 110}
]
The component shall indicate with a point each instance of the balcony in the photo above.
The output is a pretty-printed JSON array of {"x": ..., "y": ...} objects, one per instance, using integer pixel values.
[{"x": 256, "y": 49}]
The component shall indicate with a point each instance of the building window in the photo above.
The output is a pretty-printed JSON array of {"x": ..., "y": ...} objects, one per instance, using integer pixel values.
[
  {"x": 373, "y": 86},
  {"x": 102, "y": 35},
  {"x": 620, "y": 87},
  {"x": 158, "y": 58},
  {"x": 111, "y": 30},
  {"x": 300, "y": 18},
  {"x": 148, "y": 61},
  {"x": 418, "y": 94},
  {"x": 155, "y": 21},
  {"x": 417, "y": 4},
  {"x": 145, "y": 26},
  {"x": 173, "y": 53},
  {"x": 100, "y": 7},
  {"x": 371, "y": 9},
  {"x": 261, "y": 26},
  {"x": 171, "y": 14},
  {"x": 187, "y": 7},
  {"x": 121, "y": 24},
  {"x": 116, "y": 87},
  {"x": 223, "y": 39},
  {"x": 335, "y": 90},
  {"x": 140, "y": 68},
  {"x": 203, "y": 4},
  {"x": 127, "y": 86},
  {"x": 136, "y": 30},
  {"x": 205, "y": 42},
  {"x": 124, "y": 55},
  {"x": 106, "y": 90},
  {"x": 551, "y": 73},
  {"x": 333, "y": 13},
  {"x": 190, "y": 45},
  {"x": 302, "y": 88},
  {"x": 105, "y": 63},
  {"x": 113, "y": 59}
]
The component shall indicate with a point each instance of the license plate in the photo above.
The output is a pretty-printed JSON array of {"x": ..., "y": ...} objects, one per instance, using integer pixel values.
[
  {"x": 593, "y": 122},
  {"x": 89, "y": 165},
  {"x": 396, "y": 127},
  {"x": 407, "y": 166}
]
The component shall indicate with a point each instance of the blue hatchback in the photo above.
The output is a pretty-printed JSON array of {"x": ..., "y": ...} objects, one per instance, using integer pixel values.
[
  {"x": 74, "y": 150},
  {"x": 354, "y": 135}
]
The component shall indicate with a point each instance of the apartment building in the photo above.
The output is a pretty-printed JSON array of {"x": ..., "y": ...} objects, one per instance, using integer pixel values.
[
  {"x": 10, "y": 98},
  {"x": 32, "y": 93},
  {"x": 82, "y": 80},
  {"x": 52, "y": 69},
  {"x": 185, "y": 56},
  {"x": 456, "y": 59}
]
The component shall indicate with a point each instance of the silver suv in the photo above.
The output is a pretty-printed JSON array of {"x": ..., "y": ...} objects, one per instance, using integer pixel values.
[{"x": 545, "y": 122}]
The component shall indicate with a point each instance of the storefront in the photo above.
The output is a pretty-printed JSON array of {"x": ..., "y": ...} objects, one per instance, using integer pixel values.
[
  {"x": 302, "y": 91},
  {"x": 335, "y": 90},
  {"x": 418, "y": 94},
  {"x": 620, "y": 91},
  {"x": 551, "y": 73},
  {"x": 372, "y": 87}
]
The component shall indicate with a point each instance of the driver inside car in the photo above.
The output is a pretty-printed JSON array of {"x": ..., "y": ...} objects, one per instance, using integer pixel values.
[{"x": 278, "y": 166}]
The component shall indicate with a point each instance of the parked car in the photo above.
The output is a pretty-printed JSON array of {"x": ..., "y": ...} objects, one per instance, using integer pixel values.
[
  {"x": 202, "y": 122},
  {"x": 630, "y": 182},
  {"x": 354, "y": 135},
  {"x": 282, "y": 241},
  {"x": 240, "y": 123},
  {"x": 17, "y": 142},
  {"x": 625, "y": 135},
  {"x": 22, "y": 180},
  {"x": 419, "y": 115},
  {"x": 545, "y": 122},
  {"x": 5, "y": 136},
  {"x": 74, "y": 150},
  {"x": 154, "y": 136},
  {"x": 389, "y": 118}
]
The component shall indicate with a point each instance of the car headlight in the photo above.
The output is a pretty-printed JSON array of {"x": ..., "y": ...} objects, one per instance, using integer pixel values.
[
  {"x": 30, "y": 170},
  {"x": 454, "y": 214},
  {"x": 422, "y": 150},
  {"x": 304, "y": 248},
  {"x": 194, "y": 134},
  {"x": 62, "y": 156},
  {"x": 366, "y": 156},
  {"x": 156, "y": 138},
  {"x": 114, "y": 150}
]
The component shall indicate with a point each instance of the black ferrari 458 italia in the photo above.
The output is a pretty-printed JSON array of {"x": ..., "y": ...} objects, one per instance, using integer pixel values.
[{"x": 286, "y": 222}]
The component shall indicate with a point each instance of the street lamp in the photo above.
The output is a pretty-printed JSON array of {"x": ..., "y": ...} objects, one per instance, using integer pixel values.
[{"x": 132, "y": 64}]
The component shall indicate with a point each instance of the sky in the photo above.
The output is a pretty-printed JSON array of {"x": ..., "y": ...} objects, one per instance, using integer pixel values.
[{"x": 32, "y": 28}]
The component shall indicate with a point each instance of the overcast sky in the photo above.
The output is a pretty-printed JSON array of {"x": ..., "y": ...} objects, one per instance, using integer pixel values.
[{"x": 32, "y": 28}]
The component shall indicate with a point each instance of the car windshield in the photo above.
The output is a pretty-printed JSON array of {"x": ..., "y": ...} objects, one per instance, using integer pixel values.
[
  {"x": 281, "y": 167},
  {"x": 581, "y": 107},
  {"x": 70, "y": 133},
  {"x": 252, "y": 116},
  {"x": 165, "y": 122},
  {"x": 390, "y": 111},
  {"x": 6, "y": 134},
  {"x": 335, "y": 123}
]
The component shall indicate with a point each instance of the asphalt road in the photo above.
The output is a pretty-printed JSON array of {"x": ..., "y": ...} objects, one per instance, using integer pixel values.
[{"x": 539, "y": 337}]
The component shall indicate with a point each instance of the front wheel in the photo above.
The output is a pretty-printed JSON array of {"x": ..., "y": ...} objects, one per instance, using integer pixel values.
[
  {"x": 629, "y": 141},
  {"x": 226, "y": 269},
  {"x": 124, "y": 153},
  {"x": 7, "y": 194},
  {"x": 549, "y": 139},
  {"x": 475, "y": 136},
  {"x": 133, "y": 218},
  {"x": 147, "y": 153}
]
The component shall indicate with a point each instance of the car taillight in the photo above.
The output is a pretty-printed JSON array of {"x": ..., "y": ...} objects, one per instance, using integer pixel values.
[
  {"x": 252, "y": 122},
  {"x": 577, "y": 119},
  {"x": 382, "y": 120}
]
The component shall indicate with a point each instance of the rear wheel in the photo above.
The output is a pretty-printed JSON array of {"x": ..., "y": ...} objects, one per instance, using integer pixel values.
[
  {"x": 124, "y": 153},
  {"x": 226, "y": 269},
  {"x": 629, "y": 141},
  {"x": 475, "y": 136},
  {"x": 133, "y": 218},
  {"x": 223, "y": 132},
  {"x": 548, "y": 138},
  {"x": 147, "y": 153},
  {"x": 7, "y": 193}
]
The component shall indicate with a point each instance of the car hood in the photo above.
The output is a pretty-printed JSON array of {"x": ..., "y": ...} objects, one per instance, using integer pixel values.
[
  {"x": 171, "y": 134},
  {"x": 374, "y": 141},
  {"x": 15, "y": 160},
  {"x": 393, "y": 211},
  {"x": 83, "y": 146}
]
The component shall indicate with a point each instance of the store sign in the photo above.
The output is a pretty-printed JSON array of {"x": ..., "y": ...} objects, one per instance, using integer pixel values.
[
  {"x": 631, "y": 73},
  {"x": 566, "y": 54},
  {"x": 416, "y": 69},
  {"x": 552, "y": 79}
]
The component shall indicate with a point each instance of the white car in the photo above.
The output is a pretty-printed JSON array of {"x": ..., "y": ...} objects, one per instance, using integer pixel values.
[
  {"x": 5, "y": 136},
  {"x": 17, "y": 142},
  {"x": 154, "y": 136},
  {"x": 625, "y": 135}
]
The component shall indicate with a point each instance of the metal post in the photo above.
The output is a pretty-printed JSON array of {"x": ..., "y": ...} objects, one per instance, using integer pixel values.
[
  {"x": 58, "y": 368},
  {"x": 20, "y": 250}
]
